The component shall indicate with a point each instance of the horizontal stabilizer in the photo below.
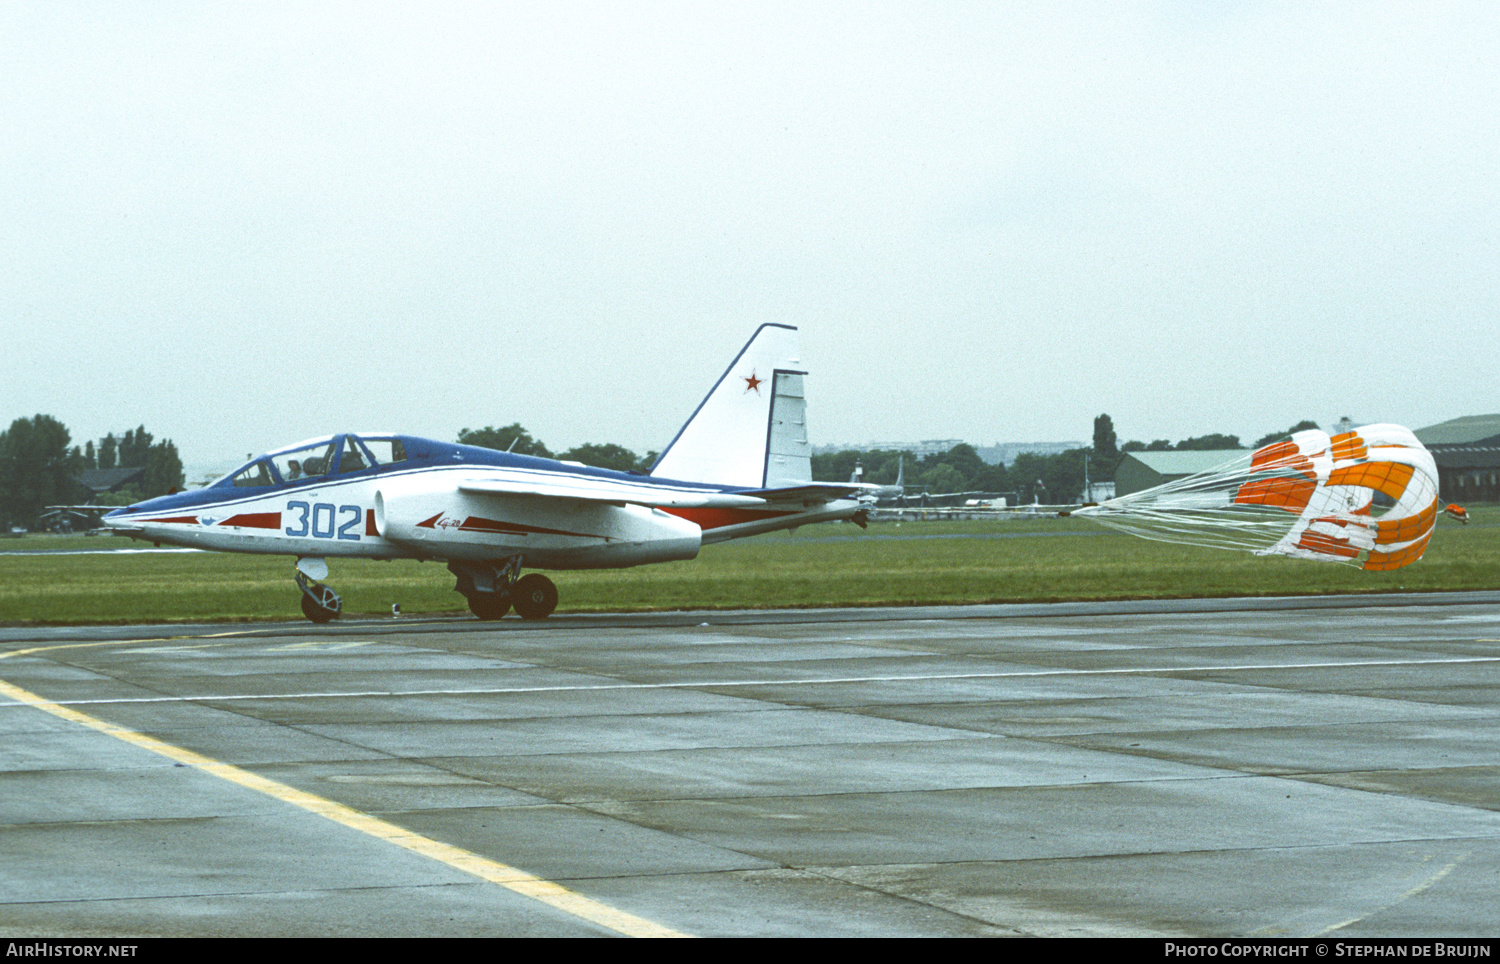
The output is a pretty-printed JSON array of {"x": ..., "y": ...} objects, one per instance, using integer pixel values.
[{"x": 810, "y": 492}]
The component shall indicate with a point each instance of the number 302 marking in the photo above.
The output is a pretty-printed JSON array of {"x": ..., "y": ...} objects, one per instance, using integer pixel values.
[{"x": 317, "y": 520}]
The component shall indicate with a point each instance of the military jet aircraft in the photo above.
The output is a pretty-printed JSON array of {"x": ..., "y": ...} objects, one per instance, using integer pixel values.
[{"x": 740, "y": 466}]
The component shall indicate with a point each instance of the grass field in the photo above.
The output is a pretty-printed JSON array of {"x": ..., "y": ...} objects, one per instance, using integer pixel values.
[{"x": 914, "y": 563}]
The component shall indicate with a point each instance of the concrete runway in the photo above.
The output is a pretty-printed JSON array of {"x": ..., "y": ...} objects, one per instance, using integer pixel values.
[{"x": 1289, "y": 767}]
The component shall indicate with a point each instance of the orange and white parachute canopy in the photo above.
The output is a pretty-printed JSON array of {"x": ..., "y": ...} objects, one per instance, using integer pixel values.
[{"x": 1366, "y": 498}]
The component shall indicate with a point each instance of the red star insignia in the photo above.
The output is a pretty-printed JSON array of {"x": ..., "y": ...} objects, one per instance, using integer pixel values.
[{"x": 752, "y": 382}]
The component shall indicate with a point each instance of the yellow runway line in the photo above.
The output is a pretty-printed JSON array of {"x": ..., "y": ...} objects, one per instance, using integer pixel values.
[{"x": 519, "y": 881}]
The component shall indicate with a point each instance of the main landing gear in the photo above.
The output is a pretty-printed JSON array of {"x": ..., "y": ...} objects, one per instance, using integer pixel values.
[
  {"x": 319, "y": 602},
  {"x": 493, "y": 591}
]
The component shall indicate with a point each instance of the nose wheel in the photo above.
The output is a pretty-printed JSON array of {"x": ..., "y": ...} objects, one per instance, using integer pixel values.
[{"x": 319, "y": 602}]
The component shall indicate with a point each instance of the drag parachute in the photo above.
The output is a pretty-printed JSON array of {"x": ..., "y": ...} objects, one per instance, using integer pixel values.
[{"x": 1366, "y": 498}]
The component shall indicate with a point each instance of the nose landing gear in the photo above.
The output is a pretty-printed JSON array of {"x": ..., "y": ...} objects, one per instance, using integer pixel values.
[{"x": 319, "y": 602}]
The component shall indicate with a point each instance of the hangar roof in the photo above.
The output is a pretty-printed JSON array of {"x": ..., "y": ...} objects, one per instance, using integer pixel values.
[{"x": 1468, "y": 430}]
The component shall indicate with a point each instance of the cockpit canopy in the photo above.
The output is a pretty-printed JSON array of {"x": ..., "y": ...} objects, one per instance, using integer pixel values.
[{"x": 334, "y": 455}]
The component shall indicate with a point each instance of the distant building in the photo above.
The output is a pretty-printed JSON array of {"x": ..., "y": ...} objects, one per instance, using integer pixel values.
[
  {"x": 932, "y": 446},
  {"x": 1000, "y": 452},
  {"x": 1006, "y": 452},
  {"x": 1145, "y": 470},
  {"x": 1099, "y": 492},
  {"x": 1467, "y": 453},
  {"x": 109, "y": 480}
]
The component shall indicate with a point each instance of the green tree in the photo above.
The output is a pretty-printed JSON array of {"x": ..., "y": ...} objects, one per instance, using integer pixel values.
[
  {"x": 965, "y": 461},
  {"x": 1028, "y": 475},
  {"x": 1052, "y": 479},
  {"x": 1105, "y": 456},
  {"x": 109, "y": 451},
  {"x": 134, "y": 448},
  {"x": 1301, "y": 426},
  {"x": 1211, "y": 442},
  {"x": 127, "y": 495},
  {"x": 137, "y": 450},
  {"x": 163, "y": 470},
  {"x": 836, "y": 466},
  {"x": 992, "y": 478},
  {"x": 604, "y": 456},
  {"x": 942, "y": 478},
  {"x": 882, "y": 466},
  {"x": 1064, "y": 475},
  {"x": 36, "y": 469},
  {"x": 1104, "y": 439},
  {"x": 511, "y": 438}
]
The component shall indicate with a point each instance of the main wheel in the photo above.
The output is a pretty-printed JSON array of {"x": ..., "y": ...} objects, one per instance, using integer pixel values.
[
  {"x": 489, "y": 605},
  {"x": 316, "y": 611},
  {"x": 534, "y": 596}
]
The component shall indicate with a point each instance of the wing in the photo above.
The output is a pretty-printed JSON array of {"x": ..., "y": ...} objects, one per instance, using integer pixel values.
[{"x": 593, "y": 489}]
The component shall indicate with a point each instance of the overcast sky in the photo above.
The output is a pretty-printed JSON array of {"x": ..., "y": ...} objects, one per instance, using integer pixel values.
[{"x": 243, "y": 224}]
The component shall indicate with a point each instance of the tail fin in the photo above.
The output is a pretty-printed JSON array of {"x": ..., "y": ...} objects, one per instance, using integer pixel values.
[{"x": 751, "y": 430}]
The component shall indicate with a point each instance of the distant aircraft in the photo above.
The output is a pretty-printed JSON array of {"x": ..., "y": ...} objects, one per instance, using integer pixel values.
[
  {"x": 871, "y": 494},
  {"x": 740, "y": 466}
]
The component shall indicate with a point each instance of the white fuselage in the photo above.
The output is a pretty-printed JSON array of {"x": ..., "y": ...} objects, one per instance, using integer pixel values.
[{"x": 424, "y": 512}]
